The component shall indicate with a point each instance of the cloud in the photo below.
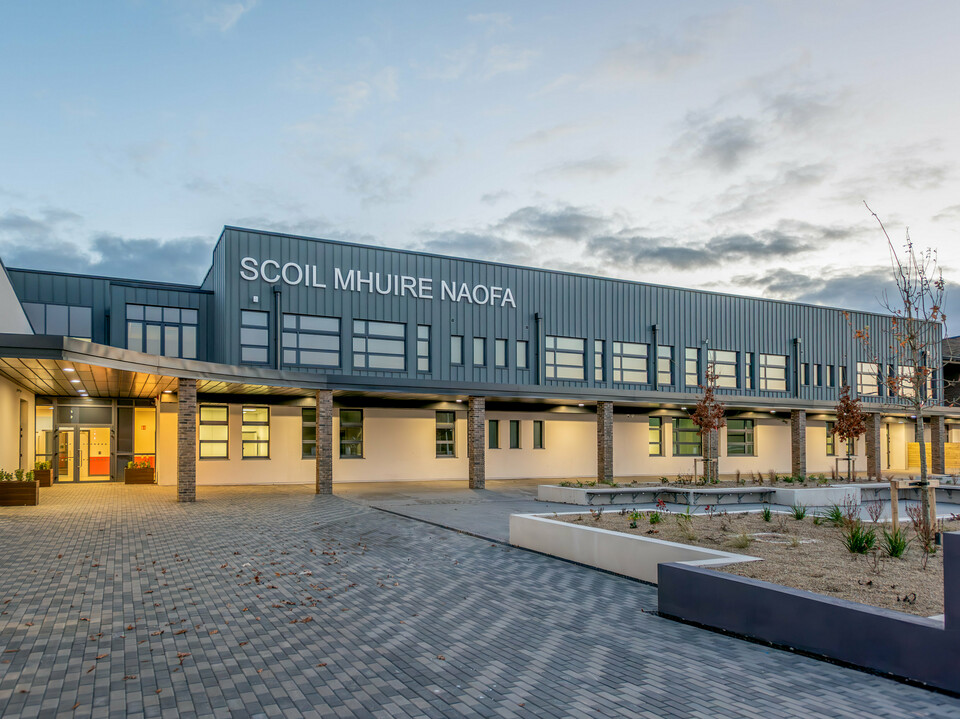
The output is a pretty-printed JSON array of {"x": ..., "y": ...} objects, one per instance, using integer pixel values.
[
  {"x": 549, "y": 134},
  {"x": 18, "y": 227},
  {"x": 948, "y": 214},
  {"x": 760, "y": 195},
  {"x": 319, "y": 227},
  {"x": 568, "y": 222},
  {"x": 591, "y": 168},
  {"x": 492, "y": 198},
  {"x": 721, "y": 144},
  {"x": 477, "y": 245},
  {"x": 224, "y": 15},
  {"x": 350, "y": 95},
  {"x": 494, "y": 20},
  {"x": 503, "y": 59}
]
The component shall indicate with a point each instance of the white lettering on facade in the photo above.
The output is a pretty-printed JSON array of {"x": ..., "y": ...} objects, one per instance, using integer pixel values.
[{"x": 291, "y": 273}]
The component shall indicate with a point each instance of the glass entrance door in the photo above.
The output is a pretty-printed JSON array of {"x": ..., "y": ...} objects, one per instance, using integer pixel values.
[{"x": 84, "y": 454}]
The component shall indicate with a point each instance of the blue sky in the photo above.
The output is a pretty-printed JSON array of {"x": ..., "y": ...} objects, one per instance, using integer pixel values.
[{"x": 727, "y": 146}]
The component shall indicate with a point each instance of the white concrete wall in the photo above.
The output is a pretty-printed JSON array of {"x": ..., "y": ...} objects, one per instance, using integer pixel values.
[
  {"x": 10, "y": 396},
  {"x": 569, "y": 447}
]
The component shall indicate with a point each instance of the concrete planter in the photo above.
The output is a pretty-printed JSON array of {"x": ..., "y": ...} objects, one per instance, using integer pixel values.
[
  {"x": 19, "y": 494},
  {"x": 137, "y": 475},
  {"x": 817, "y": 496},
  {"x": 44, "y": 477},
  {"x": 626, "y": 554}
]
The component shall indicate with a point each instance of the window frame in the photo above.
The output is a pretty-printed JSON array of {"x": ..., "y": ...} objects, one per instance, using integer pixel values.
[
  {"x": 424, "y": 358},
  {"x": 619, "y": 353},
  {"x": 479, "y": 357},
  {"x": 678, "y": 445},
  {"x": 522, "y": 354},
  {"x": 538, "y": 434},
  {"x": 493, "y": 434},
  {"x": 598, "y": 368},
  {"x": 691, "y": 366},
  {"x": 869, "y": 379},
  {"x": 363, "y": 334},
  {"x": 245, "y": 314},
  {"x": 748, "y": 432},
  {"x": 304, "y": 425},
  {"x": 297, "y": 331},
  {"x": 28, "y": 310},
  {"x": 350, "y": 425},
  {"x": 500, "y": 353},
  {"x": 259, "y": 442},
  {"x": 668, "y": 358},
  {"x": 201, "y": 422},
  {"x": 456, "y": 350},
  {"x": 655, "y": 428},
  {"x": 766, "y": 366},
  {"x": 515, "y": 440},
  {"x": 552, "y": 347},
  {"x": 445, "y": 426},
  {"x": 728, "y": 362}
]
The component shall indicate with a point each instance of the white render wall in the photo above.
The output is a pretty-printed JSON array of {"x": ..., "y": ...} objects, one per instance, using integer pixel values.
[
  {"x": 399, "y": 444},
  {"x": 10, "y": 396}
]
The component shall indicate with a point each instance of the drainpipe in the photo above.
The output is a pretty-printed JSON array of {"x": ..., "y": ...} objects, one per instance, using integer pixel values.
[
  {"x": 797, "y": 344},
  {"x": 279, "y": 333},
  {"x": 656, "y": 358}
]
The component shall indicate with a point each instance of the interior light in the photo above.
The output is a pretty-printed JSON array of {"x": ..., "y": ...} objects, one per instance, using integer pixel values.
[
  {"x": 773, "y": 411},
  {"x": 684, "y": 409},
  {"x": 459, "y": 401},
  {"x": 167, "y": 391},
  {"x": 580, "y": 405},
  {"x": 75, "y": 381},
  {"x": 68, "y": 369}
]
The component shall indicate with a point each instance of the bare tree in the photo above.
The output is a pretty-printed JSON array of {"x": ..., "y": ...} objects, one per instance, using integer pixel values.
[
  {"x": 913, "y": 340},
  {"x": 708, "y": 416}
]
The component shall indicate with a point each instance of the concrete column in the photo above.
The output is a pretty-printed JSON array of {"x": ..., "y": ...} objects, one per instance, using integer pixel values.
[
  {"x": 604, "y": 441},
  {"x": 874, "y": 450},
  {"x": 798, "y": 442},
  {"x": 476, "y": 453},
  {"x": 187, "y": 440},
  {"x": 324, "y": 459},
  {"x": 938, "y": 436},
  {"x": 711, "y": 451}
]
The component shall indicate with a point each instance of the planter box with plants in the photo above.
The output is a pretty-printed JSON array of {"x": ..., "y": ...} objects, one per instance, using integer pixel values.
[
  {"x": 18, "y": 489},
  {"x": 43, "y": 474},
  {"x": 139, "y": 473}
]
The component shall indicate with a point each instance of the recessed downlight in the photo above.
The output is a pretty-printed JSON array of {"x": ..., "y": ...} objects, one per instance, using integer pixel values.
[
  {"x": 75, "y": 381},
  {"x": 69, "y": 369}
]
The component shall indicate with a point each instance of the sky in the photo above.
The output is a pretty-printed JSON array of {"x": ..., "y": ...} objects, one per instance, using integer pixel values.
[{"x": 727, "y": 146}]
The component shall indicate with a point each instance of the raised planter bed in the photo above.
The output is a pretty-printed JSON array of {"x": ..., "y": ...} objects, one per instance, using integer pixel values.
[
  {"x": 44, "y": 477},
  {"x": 19, "y": 494},
  {"x": 629, "y": 555},
  {"x": 139, "y": 475},
  {"x": 920, "y": 649},
  {"x": 595, "y": 496}
]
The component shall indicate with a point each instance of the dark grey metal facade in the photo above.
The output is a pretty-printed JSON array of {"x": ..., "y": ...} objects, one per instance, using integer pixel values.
[{"x": 544, "y": 303}]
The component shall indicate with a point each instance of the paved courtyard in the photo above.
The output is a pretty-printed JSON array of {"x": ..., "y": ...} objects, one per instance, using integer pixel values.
[{"x": 275, "y": 602}]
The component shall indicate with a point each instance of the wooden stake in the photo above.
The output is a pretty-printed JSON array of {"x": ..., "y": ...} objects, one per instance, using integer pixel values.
[{"x": 894, "y": 505}]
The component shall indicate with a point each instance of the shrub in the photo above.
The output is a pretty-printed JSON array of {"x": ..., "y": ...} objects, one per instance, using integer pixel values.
[
  {"x": 634, "y": 518},
  {"x": 834, "y": 516},
  {"x": 766, "y": 514},
  {"x": 894, "y": 543},
  {"x": 655, "y": 517},
  {"x": 41, "y": 465},
  {"x": 741, "y": 541},
  {"x": 799, "y": 511},
  {"x": 857, "y": 538}
]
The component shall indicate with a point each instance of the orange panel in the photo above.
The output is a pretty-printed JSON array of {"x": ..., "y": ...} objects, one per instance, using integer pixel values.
[{"x": 99, "y": 466}]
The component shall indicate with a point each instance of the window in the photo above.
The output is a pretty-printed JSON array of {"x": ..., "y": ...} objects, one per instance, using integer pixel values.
[
  {"x": 500, "y": 353},
  {"x": 446, "y": 434},
  {"x": 868, "y": 379},
  {"x": 907, "y": 382},
  {"x": 255, "y": 432},
  {"x": 832, "y": 442},
  {"x": 493, "y": 434},
  {"x": 664, "y": 366},
  {"x": 254, "y": 336},
  {"x": 598, "y": 360},
  {"x": 723, "y": 363},
  {"x": 630, "y": 362},
  {"x": 379, "y": 345},
  {"x": 214, "y": 431},
  {"x": 740, "y": 433},
  {"x": 514, "y": 434},
  {"x": 831, "y": 376},
  {"x": 456, "y": 349},
  {"x": 691, "y": 367},
  {"x": 167, "y": 331},
  {"x": 423, "y": 348},
  {"x": 311, "y": 341},
  {"x": 805, "y": 374},
  {"x": 479, "y": 351},
  {"x": 522, "y": 354},
  {"x": 843, "y": 376},
  {"x": 686, "y": 438},
  {"x": 773, "y": 372},
  {"x": 817, "y": 375},
  {"x": 656, "y": 436},
  {"x": 66, "y": 320},
  {"x": 564, "y": 358},
  {"x": 308, "y": 432},
  {"x": 538, "y": 434},
  {"x": 351, "y": 434},
  {"x": 748, "y": 370}
]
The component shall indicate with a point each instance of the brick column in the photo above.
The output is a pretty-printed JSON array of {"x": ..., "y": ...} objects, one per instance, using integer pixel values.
[
  {"x": 476, "y": 453},
  {"x": 798, "y": 442},
  {"x": 187, "y": 440},
  {"x": 324, "y": 459},
  {"x": 938, "y": 436},
  {"x": 711, "y": 450},
  {"x": 874, "y": 451},
  {"x": 604, "y": 441}
]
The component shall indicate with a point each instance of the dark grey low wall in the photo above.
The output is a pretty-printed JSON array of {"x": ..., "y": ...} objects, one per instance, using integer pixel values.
[{"x": 881, "y": 640}]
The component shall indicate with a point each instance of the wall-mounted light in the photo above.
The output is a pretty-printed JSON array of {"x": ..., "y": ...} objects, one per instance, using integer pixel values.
[{"x": 580, "y": 405}]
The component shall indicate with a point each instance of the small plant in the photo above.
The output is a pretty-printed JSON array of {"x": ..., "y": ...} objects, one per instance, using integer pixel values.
[
  {"x": 41, "y": 465},
  {"x": 875, "y": 510},
  {"x": 772, "y": 475},
  {"x": 655, "y": 517},
  {"x": 738, "y": 477},
  {"x": 822, "y": 479},
  {"x": 925, "y": 531},
  {"x": 782, "y": 524},
  {"x": 857, "y": 538},
  {"x": 685, "y": 527},
  {"x": 834, "y": 477},
  {"x": 710, "y": 509},
  {"x": 634, "y": 518},
  {"x": 18, "y": 473},
  {"x": 138, "y": 464},
  {"x": 741, "y": 541},
  {"x": 766, "y": 514},
  {"x": 794, "y": 541},
  {"x": 799, "y": 511},
  {"x": 834, "y": 516},
  {"x": 596, "y": 513},
  {"x": 894, "y": 543}
]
